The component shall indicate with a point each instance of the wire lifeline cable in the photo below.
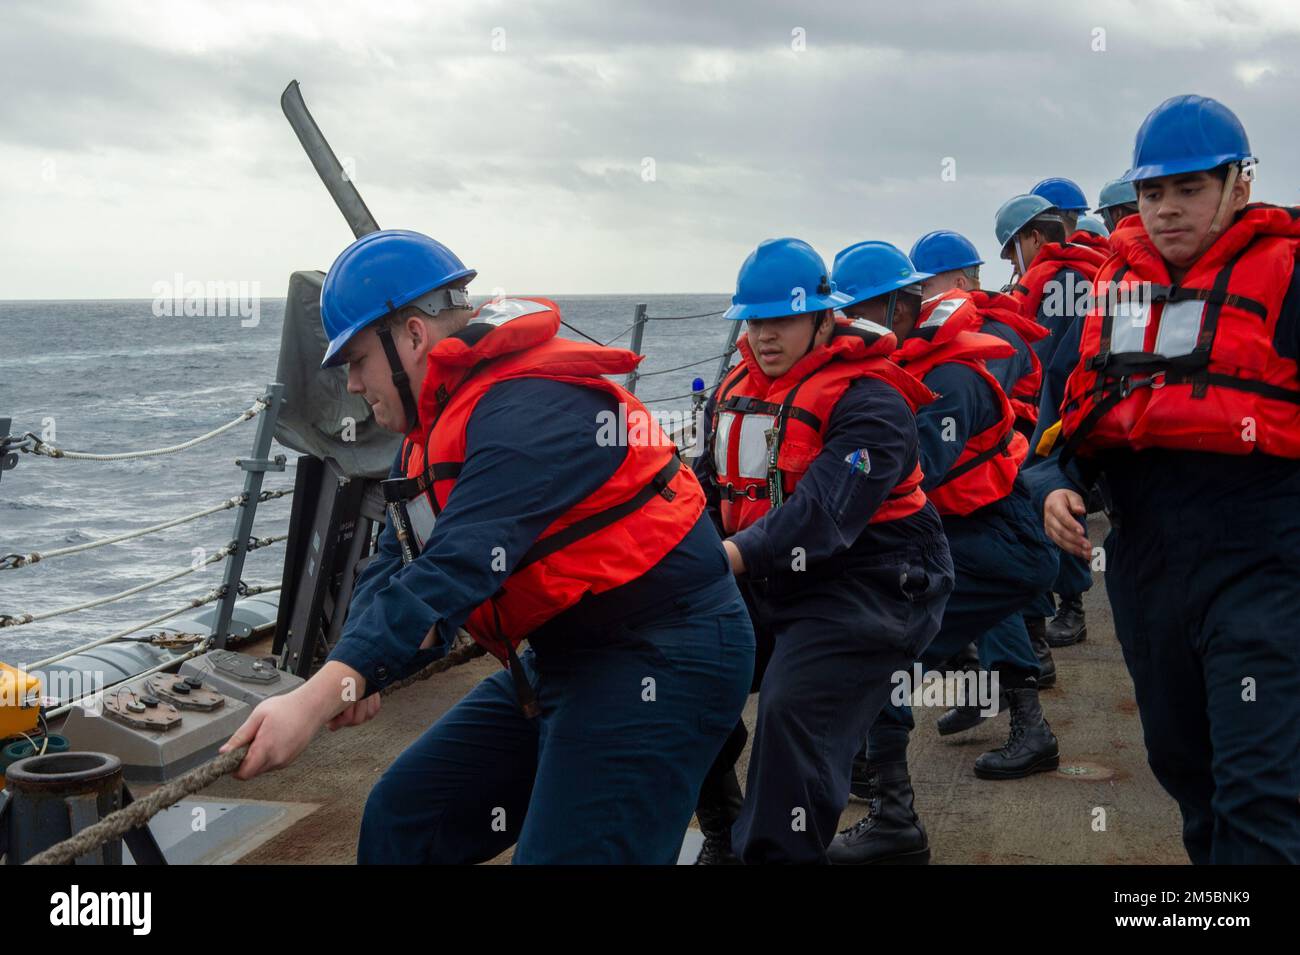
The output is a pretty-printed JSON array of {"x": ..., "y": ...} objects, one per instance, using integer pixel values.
[
  {"x": 664, "y": 371},
  {"x": 23, "y": 619},
  {"x": 45, "y": 449},
  {"x": 14, "y": 561},
  {"x": 215, "y": 593}
]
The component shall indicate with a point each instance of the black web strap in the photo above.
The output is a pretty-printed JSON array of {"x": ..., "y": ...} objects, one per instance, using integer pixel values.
[
  {"x": 595, "y": 522},
  {"x": 401, "y": 380},
  {"x": 746, "y": 405},
  {"x": 1001, "y": 448}
]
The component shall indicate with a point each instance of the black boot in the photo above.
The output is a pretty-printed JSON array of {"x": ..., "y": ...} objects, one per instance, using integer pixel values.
[
  {"x": 717, "y": 810},
  {"x": 890, "y": 833},
  {"x": 1069, "y": 626},
  {"x": 862, "y": 784},
  {"x": 958, "y": 719},
  {"x": 967, "y": 658},
  {"x": 1037, "y": 628},
  {"x": 1030, "y": 746},
  {"x": 720, "y": 800}
]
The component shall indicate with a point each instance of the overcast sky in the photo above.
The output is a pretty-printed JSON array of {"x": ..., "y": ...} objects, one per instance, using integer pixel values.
[{"x": 142, "y": 139}]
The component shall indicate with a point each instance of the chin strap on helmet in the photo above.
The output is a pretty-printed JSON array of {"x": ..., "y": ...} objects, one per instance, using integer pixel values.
[
  {"x": 1020, "y": 258},
  {"x": 401, "y": 380},
  {"x": 1216, "y": 226},
  {"x": 890, "y": 305},
  {"x": 823, "y": 288}
]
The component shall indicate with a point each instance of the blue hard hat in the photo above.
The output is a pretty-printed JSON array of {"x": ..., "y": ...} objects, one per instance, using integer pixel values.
[
  {"x": 377, "y": 274},
  {"x": 944, "y": 251},
  {"x": 1117, "y": 192},
  {"x": 1187, "y": 134},
  {"x": 1089, "y": 224},
  {"x": 1065, "y": 194},
  {"x": 1016, "y": 213},
  {"x": 783, "y": 277},
  {"x": 867, "y": 269}
]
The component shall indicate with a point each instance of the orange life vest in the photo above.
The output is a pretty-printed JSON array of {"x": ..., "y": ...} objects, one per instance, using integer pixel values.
[
  {"x": 1092, "y": 240},
  {"x": 767, "y": 431},
  {"x": 608, "y": 539},
  {"x": 1052, "y": 258},
  {"x": 986, "y": 468},
  {"x": 1190, "y": 365},
  {"x": 995, "y": 306}
]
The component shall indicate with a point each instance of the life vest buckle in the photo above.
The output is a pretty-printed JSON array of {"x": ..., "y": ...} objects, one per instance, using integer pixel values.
[
  {"x": 1155, "y": 380},
  {"x": 750, "y": 493}
]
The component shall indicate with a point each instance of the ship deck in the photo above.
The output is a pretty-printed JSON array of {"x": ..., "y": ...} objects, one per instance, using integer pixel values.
[{"x": 1047, "y": 818}]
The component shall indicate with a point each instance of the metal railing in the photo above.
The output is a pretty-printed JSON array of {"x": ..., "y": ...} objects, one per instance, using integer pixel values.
[{"x": 266, "y": 408}]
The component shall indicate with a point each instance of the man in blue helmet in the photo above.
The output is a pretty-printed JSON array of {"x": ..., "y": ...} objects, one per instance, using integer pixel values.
[
  {"x": 954, "y": 264},
  {"x": 518, "y": 511},
  {"x": 1092, "y": 233},
  {"x": 1067, "y": 197},
  {"x": 813, "y": 469},
  {"x": 1118, "y": 200},
  {"x": 1053, "y": 286},
  {"x": 1186, "y": 397},
  {"x": 970, "y": 455}
]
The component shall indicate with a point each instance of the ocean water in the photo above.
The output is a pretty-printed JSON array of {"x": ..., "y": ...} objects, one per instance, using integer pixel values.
[{"x": 109, "y": 376}]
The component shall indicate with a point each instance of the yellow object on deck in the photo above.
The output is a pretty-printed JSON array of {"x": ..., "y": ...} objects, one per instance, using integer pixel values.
[{"x": 20, "y": 698}]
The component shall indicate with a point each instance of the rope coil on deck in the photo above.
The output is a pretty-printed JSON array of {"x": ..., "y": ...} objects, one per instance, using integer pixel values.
[
  {"x": 50, "y": 451},
  {"x": 117, "y": 824}
]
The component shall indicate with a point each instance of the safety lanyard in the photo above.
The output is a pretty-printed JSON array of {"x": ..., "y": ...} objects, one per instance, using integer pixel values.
[{"x": 411, "y": 513}]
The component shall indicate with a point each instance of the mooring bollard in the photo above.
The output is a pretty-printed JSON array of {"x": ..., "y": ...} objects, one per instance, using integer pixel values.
[{"x": 55, "y": 796}]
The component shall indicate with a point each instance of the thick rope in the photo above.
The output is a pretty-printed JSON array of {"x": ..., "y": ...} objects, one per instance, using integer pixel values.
[
  {"x": 118, "y": 824},
  {"x": 22, "y": 619},
  {"x": 48, "y": 450},
  {"x": 14, "y": 561}
]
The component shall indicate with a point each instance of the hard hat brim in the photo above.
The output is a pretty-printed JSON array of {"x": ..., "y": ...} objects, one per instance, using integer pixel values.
[
  {"x": 955, "y": 266},
  {"x": 333, "y": 358},
  {"x": 781, "y": 308},
  {"x": 1200, "y": 164},
  {"x": 876, "y": 291}
]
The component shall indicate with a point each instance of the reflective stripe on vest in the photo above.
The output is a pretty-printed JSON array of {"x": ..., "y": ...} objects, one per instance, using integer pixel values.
[
  {"x": 1152, "y": 353},
  {"x": 766, "y": 432}
]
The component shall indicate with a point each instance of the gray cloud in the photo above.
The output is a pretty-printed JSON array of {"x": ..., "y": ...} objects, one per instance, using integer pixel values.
[{"x": 169, "y": 113}]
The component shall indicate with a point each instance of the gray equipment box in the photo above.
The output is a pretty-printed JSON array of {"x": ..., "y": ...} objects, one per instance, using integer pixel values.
[
  {"x": 238, "y": 675},
  {"x": 156, "y": 727}
]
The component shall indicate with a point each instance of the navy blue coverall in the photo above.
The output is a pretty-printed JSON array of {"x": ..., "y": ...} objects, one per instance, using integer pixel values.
[
  {"x": 1002, "y": 556},
  {"x": 839, "y": 606},
  {"x": 1202, "y": 576},
  {"x": 638, "y": 687},
  {"x": 1059, "y": 353},
  {"x": 1075, "y": 575}
]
